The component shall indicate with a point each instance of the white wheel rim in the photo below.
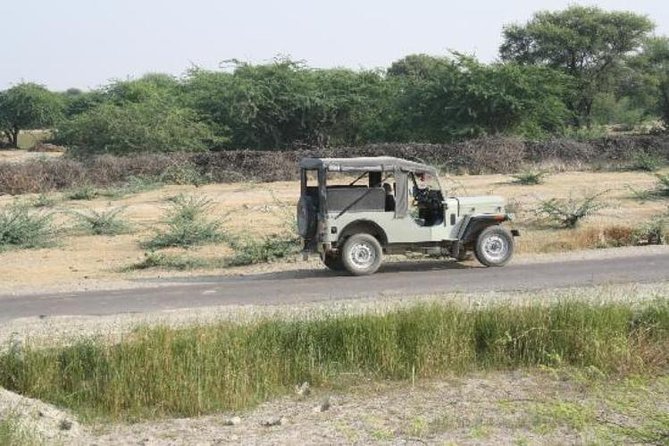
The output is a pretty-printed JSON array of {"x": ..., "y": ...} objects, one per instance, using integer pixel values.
[
  {"x": 362, "y": 255},
  {"x": 495, "y": 248}
]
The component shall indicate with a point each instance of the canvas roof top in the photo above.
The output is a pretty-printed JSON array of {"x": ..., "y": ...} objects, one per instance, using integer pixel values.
[{"x": 371, "y": 163}]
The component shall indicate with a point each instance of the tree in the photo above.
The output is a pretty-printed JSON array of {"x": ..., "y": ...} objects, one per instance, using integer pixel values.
[
  {"x": 284, "y": 104},
  {"x": 27, "y": 106},
  {"x": 148, "y": 126},
  {"x": 652, "y": 68},
  {"x": 458, "y": 97},
  {"x": 587, "y": 43}
]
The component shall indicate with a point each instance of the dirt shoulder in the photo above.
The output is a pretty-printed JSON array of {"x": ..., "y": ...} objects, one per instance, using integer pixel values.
[{"x": 536, "y": 407}]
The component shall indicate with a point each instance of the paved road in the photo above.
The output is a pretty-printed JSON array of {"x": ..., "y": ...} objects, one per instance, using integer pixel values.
[{"x": 309, "y": 286}]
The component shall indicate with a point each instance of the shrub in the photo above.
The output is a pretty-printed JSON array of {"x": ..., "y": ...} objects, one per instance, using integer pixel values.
[
  {"x": 530, "y": 177},
  {"x": 102, "y": 223},
  {"x": 43, "y": 201},
  {"x": 21, "y": 228},
  {"x": 83, "y": 192},
  {"x": 662, "y": 184},
  {"x": 647, "y": 162},
  {"x": 250, "y": 250},
  {"x": 654, "y": 232},
  {"x": 187, "y": 225},
  {"x": 567, "y": 213},
  {"x": 185, "y": 173}
]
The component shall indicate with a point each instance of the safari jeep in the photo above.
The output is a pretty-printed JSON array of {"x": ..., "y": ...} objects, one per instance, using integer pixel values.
[{"x": 352, "y": 211}]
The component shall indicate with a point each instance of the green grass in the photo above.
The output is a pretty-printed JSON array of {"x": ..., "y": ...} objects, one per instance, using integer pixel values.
[
  {"x": 13, "y": 434},
  {"x": 187, "y": 225},
  {"x": 192, "y": 371},
  {"x": 21, "y": 228}
]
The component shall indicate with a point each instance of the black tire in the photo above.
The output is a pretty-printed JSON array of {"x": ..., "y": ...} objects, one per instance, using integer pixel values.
[
  {"x": 333, "y": 262},
  {"x": 494, "y": 246},
  {"x": 306, "y": 217},
  {"x": 362, "y": 254}
]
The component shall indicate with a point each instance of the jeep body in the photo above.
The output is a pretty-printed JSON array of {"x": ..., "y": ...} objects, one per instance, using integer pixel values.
[{"x": 352, "y": 211}]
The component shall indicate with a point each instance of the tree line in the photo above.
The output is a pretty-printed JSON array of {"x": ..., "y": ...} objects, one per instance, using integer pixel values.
[{"x": 562, "y": 73}]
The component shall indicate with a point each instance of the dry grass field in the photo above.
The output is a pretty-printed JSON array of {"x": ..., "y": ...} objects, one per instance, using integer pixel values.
[{"x": 257, "y": 210}]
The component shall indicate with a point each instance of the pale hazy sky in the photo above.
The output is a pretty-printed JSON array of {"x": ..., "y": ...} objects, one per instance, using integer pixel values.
[{"x": 86, "y": 43}]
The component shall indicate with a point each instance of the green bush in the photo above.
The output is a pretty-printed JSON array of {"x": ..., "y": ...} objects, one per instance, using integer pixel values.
[
  {"x": 567, "y": 213},
  {"x": 22, "y": 228},
  {"x": 187, "y": 225},
  {"x": 249, "y": 251},
  {"x": 102, "y": 223}
]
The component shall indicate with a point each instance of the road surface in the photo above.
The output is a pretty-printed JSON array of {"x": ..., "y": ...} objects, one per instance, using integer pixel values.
[{"x": 402, "y": 278}]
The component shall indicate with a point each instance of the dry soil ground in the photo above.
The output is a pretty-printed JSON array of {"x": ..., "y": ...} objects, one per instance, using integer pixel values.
[{"x": 80, "y": 262}]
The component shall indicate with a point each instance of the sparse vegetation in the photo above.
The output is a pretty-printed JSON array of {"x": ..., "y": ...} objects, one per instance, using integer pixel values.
[
  {"x": 23, "y": 228},
  {"x": 663, "y": 184},
  {"x": 187, "y": 225},
  {"x": 154, "y": 259},
  {"x": 530, "y": 177},
  {"x": 567, "y": 213},
  {"x": 192, "y": 371},
  {"x": 654, "y": 232},
  {"x": 264, "y": 249},
  {"x": 43, "y": 201},
  {"x": 102, "y": 222},
  {"x": 647, "y": 162},
  {"x": 84, "y": 192}
]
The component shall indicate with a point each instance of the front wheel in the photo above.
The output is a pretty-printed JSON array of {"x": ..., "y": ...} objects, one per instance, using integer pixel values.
[
  {"x": 494, "y": 246},
  {"x": 362, "y": 254}
]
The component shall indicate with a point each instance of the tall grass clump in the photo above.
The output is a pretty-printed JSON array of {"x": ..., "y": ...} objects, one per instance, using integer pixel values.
[
  {"x": 102, "y": 222},
  {"x": 22, "y": 228},
  {"x": 191, "y": 371},
  {"x": 12, "y": 433},
  {"x": 187, "y": 225}
]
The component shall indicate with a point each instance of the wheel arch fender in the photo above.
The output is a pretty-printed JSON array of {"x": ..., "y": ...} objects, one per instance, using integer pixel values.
[
  {"x": 478, "y": 223},
  {"x": 366, "y": 226}
]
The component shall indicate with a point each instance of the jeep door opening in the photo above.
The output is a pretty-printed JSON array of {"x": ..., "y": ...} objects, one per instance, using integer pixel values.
[{"x": 353, "y": 211}]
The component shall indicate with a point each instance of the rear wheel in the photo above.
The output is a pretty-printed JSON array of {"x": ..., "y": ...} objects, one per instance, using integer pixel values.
[
  {"x": 333, "y": 262},
  {"x": 362, "y": 254},
  {"x": 494, "y": 246}
]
